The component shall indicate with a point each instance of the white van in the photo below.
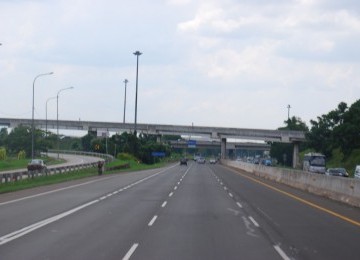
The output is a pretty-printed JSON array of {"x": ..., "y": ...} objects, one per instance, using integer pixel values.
[{"x": 357, "y": 171}]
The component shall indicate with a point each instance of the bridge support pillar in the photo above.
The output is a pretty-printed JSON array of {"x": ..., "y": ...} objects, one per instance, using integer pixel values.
[
  {"x": 296, "y": 160},
  {"x": 223, "y": 148}
]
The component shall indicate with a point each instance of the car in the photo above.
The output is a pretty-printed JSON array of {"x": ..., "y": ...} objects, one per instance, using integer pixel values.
[
  {"x": 337, "y": 172},
  {"x": 183, "y": 161},
  {"x": 37, "y": 165},
  {"x": 212, "y": 161},
  {"x": 201, "y": 160},
  {"x": 266, "y": 162},
  {"x": 357, "y": 171}
]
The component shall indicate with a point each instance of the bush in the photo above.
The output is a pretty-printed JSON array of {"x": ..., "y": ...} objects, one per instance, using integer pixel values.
[
  {"x": 2, "y": 153},
  {"x": 21, "y": 155},
  {"x": 126, "y": 157}
]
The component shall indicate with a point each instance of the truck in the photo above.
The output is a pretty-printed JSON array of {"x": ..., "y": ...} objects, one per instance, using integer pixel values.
[{"x": 314, "y": 162}]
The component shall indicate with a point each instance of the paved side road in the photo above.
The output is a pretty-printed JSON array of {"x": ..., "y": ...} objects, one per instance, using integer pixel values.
[{"x": 178, "y": 212}]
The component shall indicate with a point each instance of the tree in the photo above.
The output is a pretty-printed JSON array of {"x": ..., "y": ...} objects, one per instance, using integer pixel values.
[
  {"x": 347, "y": 133},
  {"x": 20, "y": 139},
  {"x": 3, "y": 136},
  {"x": 86, "y": 140},
  {"x": 283, "y": 152}
]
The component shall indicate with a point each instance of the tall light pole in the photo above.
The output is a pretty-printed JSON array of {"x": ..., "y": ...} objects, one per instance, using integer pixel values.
[
  {"x": 57, "y": 117},
  {"x": 33, "y": 109},
  {"x": 125, "y": 81},
  {"x": 137, "y": 53},
  {"x": 288, "y": 107},
  {"x": 46, "y": 113}
]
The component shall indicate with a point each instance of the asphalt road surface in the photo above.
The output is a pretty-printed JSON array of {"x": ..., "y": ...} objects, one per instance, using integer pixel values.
[{"x": 178, "y": 212}]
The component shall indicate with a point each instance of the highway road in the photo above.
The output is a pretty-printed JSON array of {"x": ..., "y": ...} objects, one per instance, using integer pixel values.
[{"x": 178, "y": 212}]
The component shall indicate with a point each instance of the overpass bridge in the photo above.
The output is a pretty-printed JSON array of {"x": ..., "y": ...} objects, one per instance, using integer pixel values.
[{"x": 217, "y": 133}]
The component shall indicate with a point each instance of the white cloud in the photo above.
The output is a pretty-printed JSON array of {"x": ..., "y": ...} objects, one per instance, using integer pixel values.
[{"x": 209, "y": 62}]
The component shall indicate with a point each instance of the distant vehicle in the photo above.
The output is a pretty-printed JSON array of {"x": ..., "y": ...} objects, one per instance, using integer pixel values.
[
  {"x": 212, "y": 161},
  {"x": 201, "y": 160},
  {"x": 197, "y": 156},
  {"x": 183, "y": 161},
  {"x": 37, "y": 165},
  {"x": 337, "y": 172},
  {"x": 314, "y": 162},
  {"x": 357, "y": 171},
  {"x": 266, "y": 162}
]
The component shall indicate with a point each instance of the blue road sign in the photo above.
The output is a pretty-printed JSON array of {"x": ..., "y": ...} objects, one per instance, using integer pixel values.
[
  {"x": 191, "y": 144},
  {"x": 158, "y": 154}
]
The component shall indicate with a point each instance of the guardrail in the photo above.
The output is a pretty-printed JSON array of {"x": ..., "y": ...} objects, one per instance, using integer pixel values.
[
  {"x": 106, "y": 157},
  {"x": 25, "y": 174},
  {"x": 342, "y": 189},
  {"x": 16, "y": 175}
]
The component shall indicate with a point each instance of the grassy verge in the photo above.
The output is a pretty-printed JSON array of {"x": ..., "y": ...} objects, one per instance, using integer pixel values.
[
  {"x": 46, "y": 180},
  {"x": 13, "y": 163},
  {"x": 58, "y": 178}
]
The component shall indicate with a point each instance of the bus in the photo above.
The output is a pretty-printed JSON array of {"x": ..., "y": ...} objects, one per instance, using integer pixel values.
[{"x": 314, "y": 162}]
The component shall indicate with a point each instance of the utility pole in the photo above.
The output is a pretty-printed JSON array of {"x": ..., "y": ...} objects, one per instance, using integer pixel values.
[
  {"x": 137, "y": 53},
  {"x": 288, "y": 107}
]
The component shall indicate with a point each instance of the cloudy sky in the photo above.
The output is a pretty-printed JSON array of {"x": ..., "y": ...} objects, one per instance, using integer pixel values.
[{"x": 227, "y": 63}]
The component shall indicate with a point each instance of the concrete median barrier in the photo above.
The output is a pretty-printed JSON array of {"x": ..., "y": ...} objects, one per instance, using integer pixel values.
[{"x": 342, "y": 189}]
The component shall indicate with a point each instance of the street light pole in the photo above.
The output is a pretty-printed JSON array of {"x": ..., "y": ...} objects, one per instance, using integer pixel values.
[
  {"x": 137, "y": 53},
  {"x": 57, "y": 117},
  {"x": 33, "y": 109},
  {"x": 46, "y": 114},
  {"x": 125, "y": 81},
  {"x": 288, "y": 107}
]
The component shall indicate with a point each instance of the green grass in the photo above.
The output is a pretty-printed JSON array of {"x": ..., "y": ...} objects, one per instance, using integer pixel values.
[
  {"x": 12, "y": 163},
  {"x": 46, "y": 180},
  {"x": 58, "y": 178}
]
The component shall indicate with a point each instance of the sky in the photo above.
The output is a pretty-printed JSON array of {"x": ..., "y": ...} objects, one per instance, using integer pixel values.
[{"x": 223, "y": 63}]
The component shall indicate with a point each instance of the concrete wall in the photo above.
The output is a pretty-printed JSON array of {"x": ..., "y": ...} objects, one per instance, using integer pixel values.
[{"x": 342, "y": 189}]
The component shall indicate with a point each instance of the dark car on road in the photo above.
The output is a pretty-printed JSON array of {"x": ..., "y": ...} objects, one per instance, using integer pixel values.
[
  {"x": 183, "y": 161},
  {"x": 37, "y": 165}
]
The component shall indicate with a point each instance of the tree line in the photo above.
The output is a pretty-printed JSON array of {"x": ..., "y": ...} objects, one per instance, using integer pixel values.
[
  {"x": 140, "y": 146},
  {"x": 339, "y": 129}
]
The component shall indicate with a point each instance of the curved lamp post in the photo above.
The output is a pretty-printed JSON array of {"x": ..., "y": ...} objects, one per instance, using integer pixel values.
[
  {"x": 33, "y": 109},
  {"x": 137, "y": 53},
  {"x": 57, "y": 117}
]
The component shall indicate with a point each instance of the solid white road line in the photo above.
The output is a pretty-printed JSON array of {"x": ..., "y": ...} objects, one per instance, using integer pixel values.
[
  {"x": 281, "y": 253},
  {"x": 254, "y": 222},
  {"x": 19, "y": 233},
  {"x": 53, "y": 191},
  {"x": 152, "y": 221},
  {"x": 130, "y": 252}
]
